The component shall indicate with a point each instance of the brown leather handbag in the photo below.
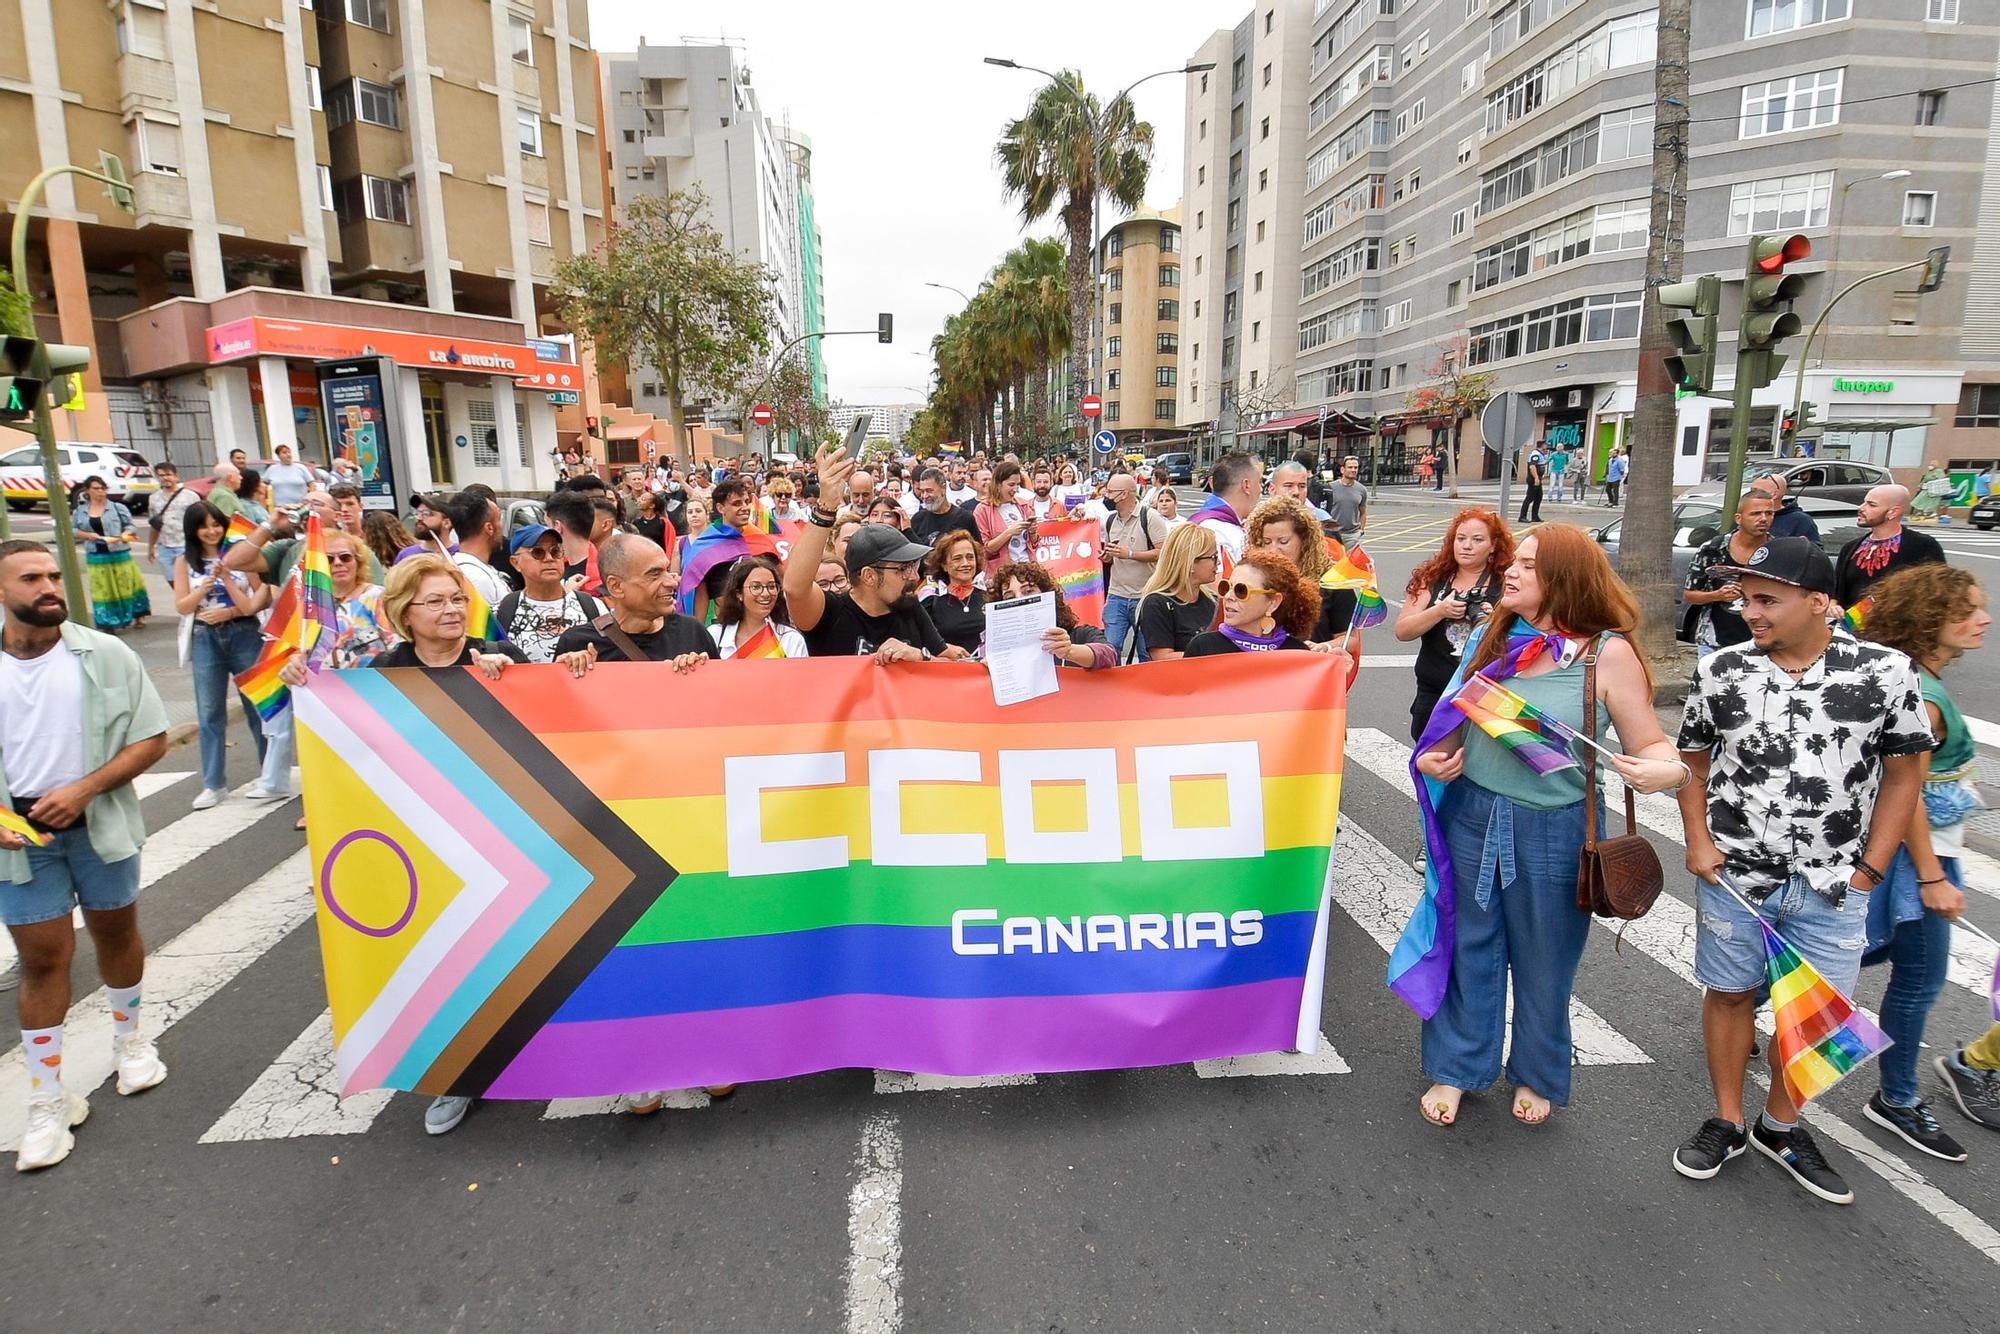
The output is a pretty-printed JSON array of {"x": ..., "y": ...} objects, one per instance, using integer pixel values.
[{"x": 1620, "y": 876}]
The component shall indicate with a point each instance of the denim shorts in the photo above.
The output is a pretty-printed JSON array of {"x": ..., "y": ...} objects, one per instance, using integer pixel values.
[
  {"x": 1729, "y": 947},
  {"x": 66, "y": 873}
]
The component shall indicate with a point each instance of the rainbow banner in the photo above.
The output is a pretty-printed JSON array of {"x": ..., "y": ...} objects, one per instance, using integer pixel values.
[
  {"x": 516, "y": 899},
  {"x": 1856, "y": 616},
  {"x": 317, "y": 624},
  {"x": 763, "y": 644},
  {"x": 1070, "y": 552},
  {"x": 239, "y": 528},
  {"x": 1354, "y": 569}
]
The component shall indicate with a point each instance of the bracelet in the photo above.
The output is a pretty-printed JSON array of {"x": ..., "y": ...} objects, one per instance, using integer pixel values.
[
  {"x": 820, "y": 518},
  {"x": 1687, "y": 776},
  {"x": 1874, "y": 876},
  {"x": 1938, "y": 880}
]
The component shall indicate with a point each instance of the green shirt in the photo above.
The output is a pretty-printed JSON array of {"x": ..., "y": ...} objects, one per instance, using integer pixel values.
[
  {"x": 1955, "y": 747},
  {"x": 224, "y": 500},
  {"x": 120, "y": 707}
]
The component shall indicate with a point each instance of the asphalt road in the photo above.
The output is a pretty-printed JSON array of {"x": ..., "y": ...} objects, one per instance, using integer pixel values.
[{"x": 1302, "y": 1194}]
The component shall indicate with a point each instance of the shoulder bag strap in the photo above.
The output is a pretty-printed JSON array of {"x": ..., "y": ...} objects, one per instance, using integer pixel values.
[
  {"x": 607, "y": 625},
  {"x": 1590, "y": 752}
]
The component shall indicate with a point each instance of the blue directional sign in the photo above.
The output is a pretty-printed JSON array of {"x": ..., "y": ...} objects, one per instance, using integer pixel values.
[{"x": 1104, "y": 442}]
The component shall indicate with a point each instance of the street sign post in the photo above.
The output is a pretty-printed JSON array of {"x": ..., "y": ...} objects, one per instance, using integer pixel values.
[
  {"x": 1091, "y": 406},
  {"x": 1506, "y": 423},
  {"x": 1104, "y": 442}
]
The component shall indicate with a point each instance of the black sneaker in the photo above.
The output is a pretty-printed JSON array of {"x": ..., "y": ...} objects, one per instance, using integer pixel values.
[
  {"x": 1918, "y": 1128},
  {"x": 1797, "y": 1152},
  {"x": 1709, "y": 1148},
  {"x": 1977, "y": 1092}
]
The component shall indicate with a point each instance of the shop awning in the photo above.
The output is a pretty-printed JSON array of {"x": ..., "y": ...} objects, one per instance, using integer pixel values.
[
  {"x": 632, "y": 431},
  {"x": 1283, "y": 424}
]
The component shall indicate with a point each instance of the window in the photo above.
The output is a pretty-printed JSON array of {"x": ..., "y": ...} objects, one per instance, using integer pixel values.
[
  {"x": 1372, "y": 68},
  {"x": 1416, "y": 49},
  {"x": 1978, "y": 405},
  {"x": 1454, "y": 292},
  {"x": 1263, "y": 180},
  {"x": 1111, "y": 410},
  {"x": 1625, "y": 134},
  {"x": 1798, "y": 103},
  {"x": 1919, "y": 208},
  {"x": 1200, "y": 219},
  {"x": 159, "y": 146},
  {"x": 522, "y": 33},
  {"x": 1113, "y": 347},
  {"x": 1256, "y": 335},
  {"x": 1599, "y": 230},
  {"x": 314, "y": 97},
  {"x": 1234, "y": 222},
  {"x": 376, "y": 104},
  {"x": 1631, "y": 40},
  {"x": 369, "y": 13},
  {"x": 1267, "y": 72},
  {"x": 1593, "y": 319},
  {"x": 1197, "y": 266},
  {"x": 1780, "y": 202},
  {"x": 538, "y": 221},
  {"x": 1363, "y": 256},
  {"x": 1163, "y": 409},
  {"x": 325, "y": 187},
  {"x": 530, "y": 127},
  {"x": 1468, "y": 76},
  {"x": 1409, "y": 117},
  {"x": 1257, "y": 281},
  {"x": 1201, "y": 175},
  {"x": 1269, "y": 14},
  {"x": 1236, "y": 76},
  {"x": 1264, "y": 129},
  {"x": 1458, "y": 222},
  {"x": 1170, "y": 275},
  {"x": 142, "y": 28},
  {"x": 1769, "y": 16},
  {"x": 1170, "y": 240},
  {"x": 1610, "y": 137},
  {"x": 1371, "y": 131},
  {"x": 1236, "y": 121},
  {"x": 1903, "y": 308},
  {"x": 1167, "y": 343},
  {"x": 1166, "y": 377},
  {"x": 1260, "y": 229},
  {"x": 1396, "y": 313},
  {"x": 1204, "y": 124},
  {"x": 1930, "y": 108},
  {"x": 1114, "y": 245},
  {"x": 1117, "y": 309},
  {"x": 1941, "y": 11},
  {"x": 1114, "y": 281},
  {"x": 1168, "y": 310},
  {"x": 1113, "y": 379},
  {"x": 386, "y": 200}
]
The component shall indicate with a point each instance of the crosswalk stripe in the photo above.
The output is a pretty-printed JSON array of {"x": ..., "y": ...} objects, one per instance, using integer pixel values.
[
  {"x": 897, "y": 1081},
  {"x": 1667, "y": 934},
  {"x": 299, "y": 1095},
  {"x": 1972, "y": 959},
  {"x": 180, "y": 975},
  {"x": 1325, "y": 1061},
  {"x": 154, "y": 780},
  {"x": 568, "y": 1109},
  {"x": 1983, "y": 732}
]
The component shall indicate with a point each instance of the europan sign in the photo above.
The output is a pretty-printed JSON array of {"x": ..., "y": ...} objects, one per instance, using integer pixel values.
[{"x": 1845, "y": 386}]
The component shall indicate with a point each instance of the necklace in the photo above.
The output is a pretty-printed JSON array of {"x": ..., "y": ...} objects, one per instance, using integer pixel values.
[{"x": 1798, "y": 673}]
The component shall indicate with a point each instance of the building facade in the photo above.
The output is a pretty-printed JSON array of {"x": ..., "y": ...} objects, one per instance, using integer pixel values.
[
  {"x": 1138, "y": 326},
  {"x": 887, "y": 421},
  {"x": 343, "y": 179},
  {"x": 688, "y": 117},
  {"x": 1476, "y": 183}
]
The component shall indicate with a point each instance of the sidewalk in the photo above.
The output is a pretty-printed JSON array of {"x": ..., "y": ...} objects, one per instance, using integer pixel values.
[{"x": 1592, "y": 513}]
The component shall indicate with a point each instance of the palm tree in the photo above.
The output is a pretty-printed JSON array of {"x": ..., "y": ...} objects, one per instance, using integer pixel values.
[
  {"x": 1034, "y": 274},
  {"x": 1050, "y": 161}
]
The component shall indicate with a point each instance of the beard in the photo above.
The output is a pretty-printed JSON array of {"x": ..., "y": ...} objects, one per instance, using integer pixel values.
[
  {"x": 906, "y": 603},
  {"x": 44, "y": 615}
]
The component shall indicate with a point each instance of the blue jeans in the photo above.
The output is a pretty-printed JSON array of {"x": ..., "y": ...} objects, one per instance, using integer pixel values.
[
  {"x": 219, "y": 652},
  {"x": 280, "y": 753},
  {"x": 1121, "y": 617},
  {"x": 1918, "y": 952},
  {"x": 1516, "y": 894},
  {"x": 165, "y": 560},
  {"x": 65, "y": 874}
]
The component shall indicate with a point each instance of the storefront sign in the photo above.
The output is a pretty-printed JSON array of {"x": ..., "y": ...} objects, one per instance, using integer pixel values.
[
  {"x": 1864, "y": 386},
  {"x": 564, "y": 396},
  {"x": 1554, "y": 400},
  {"x": 257, "y": 336},
  {"x": 356, "y": 403},
  {"x": 1564, "y": 433}
]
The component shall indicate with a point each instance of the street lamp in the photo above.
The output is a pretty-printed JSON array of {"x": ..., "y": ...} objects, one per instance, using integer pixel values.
[
  {"x": 1840, "y": 213},
  {"x": 1096, "y": 164},
  {"x": 947, "y": 287}
]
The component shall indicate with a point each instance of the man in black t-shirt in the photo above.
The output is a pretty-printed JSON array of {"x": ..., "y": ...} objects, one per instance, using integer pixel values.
[
  {"x": 1886, "y": 545},
  {"x": 879, "y": 614},
  {"x": 639, "y": 593},
  {"x": 936, "y": 515}
]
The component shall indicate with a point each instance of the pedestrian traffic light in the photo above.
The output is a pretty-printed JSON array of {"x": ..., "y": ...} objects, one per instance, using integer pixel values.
[
  {"x": 1934, "y": 262},
  {"x": 19, "y": 386},
  {"x": 1768, "y": 292},
  {"x": 1794, "y": 424},
  {"x": 1693, "y": 366},
  {"x": 885, "y": 328}
]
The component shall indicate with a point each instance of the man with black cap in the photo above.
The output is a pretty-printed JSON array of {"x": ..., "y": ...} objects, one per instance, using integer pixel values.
[
  {"x": 879, "y": 614},
  {"x": 1808, "y": 748},
  {"x": 430, "y": 520}
]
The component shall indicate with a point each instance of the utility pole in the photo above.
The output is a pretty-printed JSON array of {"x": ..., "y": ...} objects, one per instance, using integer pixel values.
[{"x": 1645, "y": 552}]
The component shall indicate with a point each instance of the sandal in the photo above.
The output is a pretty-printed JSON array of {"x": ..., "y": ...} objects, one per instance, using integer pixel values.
[
  {"x": 1440, "y": 1109},
  {"x": 1526, "y": 1109}
]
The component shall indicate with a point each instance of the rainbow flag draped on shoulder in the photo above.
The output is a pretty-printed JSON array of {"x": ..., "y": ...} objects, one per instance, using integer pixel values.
[
  {"x": 516, "y": 899},
  {"x": 718, "y": 544}
]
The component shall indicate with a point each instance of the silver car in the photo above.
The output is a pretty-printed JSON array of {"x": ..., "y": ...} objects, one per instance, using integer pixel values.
[{"x": 1827, "y": 479}]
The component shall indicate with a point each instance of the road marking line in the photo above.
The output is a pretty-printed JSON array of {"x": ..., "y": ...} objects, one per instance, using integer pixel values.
[
  {"x": 1981, "y": 872},
  {"x": 897, "y": 1081},
  {"x": 297, "y": 1095},
  {"x": 1985, "y": 733},
  {"x": 1325, "y": 1061},
  {"x": 154, "y": 781},
  {"x": 875, "y": 1230},
  {"x": 180, "y": 975},
  {"x": 567, "y": 1109}
]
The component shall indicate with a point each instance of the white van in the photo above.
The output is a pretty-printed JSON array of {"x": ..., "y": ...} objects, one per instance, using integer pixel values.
[{"x": 126, "y": 474}]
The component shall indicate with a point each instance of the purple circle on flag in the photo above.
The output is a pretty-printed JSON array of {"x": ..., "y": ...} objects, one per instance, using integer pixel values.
[{"x": 333, "y": 904}]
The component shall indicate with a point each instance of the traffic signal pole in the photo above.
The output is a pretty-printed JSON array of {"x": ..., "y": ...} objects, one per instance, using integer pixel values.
[
  {"x": 1799, "y": 377},
  {"x": 1767, "y": 320}
]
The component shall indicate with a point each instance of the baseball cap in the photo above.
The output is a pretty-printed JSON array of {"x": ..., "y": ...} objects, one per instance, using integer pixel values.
[
  {"x": 430, "y": 500},
  {"x": 1787, "y": 560},
  {"x": 879, "y": 544},
  {"x": 526, "y": 536}
]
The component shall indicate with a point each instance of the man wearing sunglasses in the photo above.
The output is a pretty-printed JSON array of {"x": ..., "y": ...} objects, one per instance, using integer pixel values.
[{"x": 879, "y": 614}]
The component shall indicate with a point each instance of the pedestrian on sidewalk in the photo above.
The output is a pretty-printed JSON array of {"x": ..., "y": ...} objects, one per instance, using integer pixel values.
[
  {"x": 1449, "y": 597},
  {"x": 1558, "y": 470},
  {"x": 1614, "y": 477},
  {"x": 79, "y": 720},
  {"x": 1531, "y": 498},
  {"x": 1347, "y": 503},
  {"x": 1807, "y": 746},
  {"x": 105, "y": 530},
  {"x": 224, "y": 641},
  {"x": 1505, "y": 840},
  {"x": 1936, "y": 614}
]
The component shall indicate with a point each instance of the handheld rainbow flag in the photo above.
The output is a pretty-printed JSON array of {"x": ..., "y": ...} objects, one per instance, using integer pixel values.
[
  {"x": 317, "y": 628},
  {"x": 763, "y": 644},
  {"x": 1355, "y": 570},
  {"x": 1821, "y": 1037},
  {"x": 1534, "y": 738},
  {"x": 240, "y": 527},
  {"x": 259, "y": 682},
  {"x": 15, "y": 824},
  {"x": 1857, "y": 615}
]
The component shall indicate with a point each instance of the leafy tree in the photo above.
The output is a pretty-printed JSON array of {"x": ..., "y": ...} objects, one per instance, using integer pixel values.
[
  {"x": 1047, "y": 162},
  {"x": 799, "y": 418},
  {"x": 664, "y": 290},
  {"x": 17, "y": 312},
  {"x": 1453, "y": 390}
]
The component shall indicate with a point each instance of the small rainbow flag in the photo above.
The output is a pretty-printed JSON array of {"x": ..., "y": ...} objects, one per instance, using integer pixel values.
[
  {"x": 1821, "y": 1036},
  {"x": 240, "y": 527},
  {"x": 763, "y": 644},
  {"x": 15, "y": 824},
  {"x": 1534, "y": 738},
  {"x": 260, "y": 684},
  {"x": 481, "y": 620},
  {"x": 316, "y": 624},
  {"x": 1857, "y": 615},
  {"x": 1356, "y": 571}
]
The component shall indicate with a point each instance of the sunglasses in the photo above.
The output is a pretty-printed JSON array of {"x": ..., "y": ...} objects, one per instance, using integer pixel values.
[
  {"x": 1225, "y": 588},
  {"x": 340, "y": 558}
]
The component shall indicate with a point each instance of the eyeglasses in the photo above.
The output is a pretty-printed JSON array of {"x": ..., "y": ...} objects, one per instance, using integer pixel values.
[
  {"x": 1225, "y": 588},
  {"x": 904, "y": 568},
  {"x": 544, "y": 553},
  {"x": 340, "y": 558},
  {"x": 760, "y": 590},
  {"x": 831, "y": 585},
  {"x": 783, "y": 495},
  {"x": 456, "y": 602}
]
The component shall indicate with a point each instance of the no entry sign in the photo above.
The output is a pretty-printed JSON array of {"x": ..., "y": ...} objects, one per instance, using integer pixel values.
[{"x": 1092, "y": 405}]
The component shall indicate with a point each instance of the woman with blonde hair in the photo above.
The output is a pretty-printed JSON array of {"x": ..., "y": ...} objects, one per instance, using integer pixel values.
[
  {"x": 1283, "y": 524},
  {"x": 1175, "y": 605}
]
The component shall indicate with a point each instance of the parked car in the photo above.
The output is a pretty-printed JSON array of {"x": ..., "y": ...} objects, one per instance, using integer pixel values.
[
  {"x": 1698, "y": 521},
  {"x": 126, "y": 474},
  {"x": 1179, "y": 466},
  {"x": 1828, "y": 479},
  {"x": 1985, "y": 514}
]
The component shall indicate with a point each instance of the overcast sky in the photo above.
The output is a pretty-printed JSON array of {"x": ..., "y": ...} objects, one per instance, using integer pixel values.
[{"x": 903, "y": 118}]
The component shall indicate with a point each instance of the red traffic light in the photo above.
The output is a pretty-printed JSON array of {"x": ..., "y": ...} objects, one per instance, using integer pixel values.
[{"x": 1795, "y": 248}]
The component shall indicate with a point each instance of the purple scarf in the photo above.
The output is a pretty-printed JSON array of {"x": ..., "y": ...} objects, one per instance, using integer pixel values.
[
  {"x": 1250, "y": 643},
  {"x": 1215, "y": 507}
]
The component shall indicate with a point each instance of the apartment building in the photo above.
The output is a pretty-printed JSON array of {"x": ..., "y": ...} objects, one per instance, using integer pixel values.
[
  {"x": 688, "y": 117},
  {"x": 1138, "y": 326},
  {"x": 314, "y": 182},
  {"x": 887, "y": 421},
  {"x": 1475, "y": 196}
]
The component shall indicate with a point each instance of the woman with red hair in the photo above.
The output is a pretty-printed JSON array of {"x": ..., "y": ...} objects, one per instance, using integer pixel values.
[
  {"x": 1504, "y": 838},
  {"x": 1449, "y": 596},
  {"x": 1266, "y": 604}
]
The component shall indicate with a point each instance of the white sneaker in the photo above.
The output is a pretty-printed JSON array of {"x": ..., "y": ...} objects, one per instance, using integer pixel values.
[
  {"x": 48, "y": 1138},
  {"x": 258, "y": 792},
  {"x": 207, "y": 797},
  {"x": 139, "y": 1064}
]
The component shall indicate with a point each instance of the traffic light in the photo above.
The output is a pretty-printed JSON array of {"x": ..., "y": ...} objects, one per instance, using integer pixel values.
[
  {"x": 19, "y": 386},
  {"x": 1934, "y": 262},
  {"x": 1693, "y": 366},
  {"x": 885, "y": 328},
  {"x": 1767, "y": 288},
  {"x": 1794, "y": 424}
]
